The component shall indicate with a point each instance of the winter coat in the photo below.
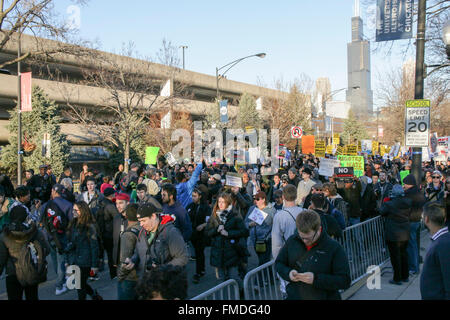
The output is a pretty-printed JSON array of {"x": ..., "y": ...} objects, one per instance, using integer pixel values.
[
  {"x": 303, "y": 189},
  {"x": 4, "y": 212},
  {"x": 263, "y": 231},
  {"x": 93, "y": 203},
  {"x": 243, "y": 203},
  {"x": 433, "y": 194},
  {"x": 199, "y": 214},
  {"x": 227, "y": 251},
  {"x": 167, "y": 247},
  {"x": 128, "y": 241},
  {"x": 149, "y": 199},
  {"x": 382, "y": 190},
  {"x": 120, "y": 224},
  {"x": 397, "y": 212},
  {"x": 184, "y": 189},
  {"x": 82, "y": 249},
  {"x": 11, "y": 241},
  {"x": 105, "y": 218},
  {"x": 182, "y": 220},
  {"x": 418, "y": 201},
  {"x": 368, "y": 202},
  {"x": 327, "y": 261},
  {"x": 352, "y": 196},
  {"x": 329, "y": 224}
]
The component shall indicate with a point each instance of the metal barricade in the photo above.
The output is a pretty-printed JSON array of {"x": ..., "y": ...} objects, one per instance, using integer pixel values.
[
  {"x": 228, "y": 290},
  {"x": 262, "y": 283},
  {"x": 365, "y": 245}
]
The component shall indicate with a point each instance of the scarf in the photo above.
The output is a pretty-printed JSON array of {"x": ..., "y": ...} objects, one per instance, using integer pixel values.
[{"x": 223, "y": 215}]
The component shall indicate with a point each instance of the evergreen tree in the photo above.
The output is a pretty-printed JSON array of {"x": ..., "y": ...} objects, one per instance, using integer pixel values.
[
  {"x": 247, "y": 114},
  {"x": 353, "y": 130},
  {"x": 45, "y": 118}
]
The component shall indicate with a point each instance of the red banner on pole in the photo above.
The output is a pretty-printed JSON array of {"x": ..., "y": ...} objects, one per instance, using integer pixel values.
[{"x": 25, "y": 84}]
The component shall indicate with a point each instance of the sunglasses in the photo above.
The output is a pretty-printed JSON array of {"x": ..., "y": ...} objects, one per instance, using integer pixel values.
[
  {"x": 257, "y": 199},
  {"x": 436, "y": 177}
]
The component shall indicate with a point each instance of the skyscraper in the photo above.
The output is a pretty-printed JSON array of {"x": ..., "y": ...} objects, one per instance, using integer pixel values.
[
  {"x": 322, "y": 94},
  {"x": 358, "y": 66}
]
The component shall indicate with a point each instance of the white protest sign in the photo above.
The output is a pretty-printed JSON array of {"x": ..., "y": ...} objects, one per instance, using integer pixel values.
[
  {"x": 425, "y": 154},
  {"x": 258, "y": 216},
  {"x": 326, "y": 166},
  {"x": 233, "y": 181},
  {"x": 366, "y": 146},
  {"x": 170, "y": 159}
]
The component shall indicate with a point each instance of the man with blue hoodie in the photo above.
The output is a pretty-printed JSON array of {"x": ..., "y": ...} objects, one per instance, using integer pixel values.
[{"x": 185, "y": 187}]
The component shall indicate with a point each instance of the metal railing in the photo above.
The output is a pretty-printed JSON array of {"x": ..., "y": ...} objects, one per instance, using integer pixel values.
[
  {"x": 228, "y": 290},
  {"x": 365, "y": 245},
  {"x": 262, "y": 283}
]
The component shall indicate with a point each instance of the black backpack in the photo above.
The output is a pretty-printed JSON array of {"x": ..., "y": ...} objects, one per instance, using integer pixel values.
[{"x": 31, "y": 264}]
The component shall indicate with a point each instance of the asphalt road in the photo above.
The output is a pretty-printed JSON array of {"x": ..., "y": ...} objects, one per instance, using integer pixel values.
[{"x": 107, "y": 288}]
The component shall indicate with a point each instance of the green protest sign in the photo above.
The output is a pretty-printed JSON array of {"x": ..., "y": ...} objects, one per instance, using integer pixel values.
[
  {"x": 356, "y": 162},
  {"x": 151, "y": 155}
]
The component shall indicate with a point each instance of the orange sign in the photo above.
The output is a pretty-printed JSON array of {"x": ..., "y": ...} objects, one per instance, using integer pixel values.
[{"x": 308, "y": 145}]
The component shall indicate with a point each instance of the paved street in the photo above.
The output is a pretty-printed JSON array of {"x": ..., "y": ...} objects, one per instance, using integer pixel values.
[{"x": 108, "y": 289}]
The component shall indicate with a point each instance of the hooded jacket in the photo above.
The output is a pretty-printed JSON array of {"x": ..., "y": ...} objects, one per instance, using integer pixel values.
[
  {"x": 167, "y": 247},
  {"x": 184, "y": 189},
  {"x": 328, "y": 262},
  {"x": 182, "y": 220},
  {"x": 11, "y": 242}
]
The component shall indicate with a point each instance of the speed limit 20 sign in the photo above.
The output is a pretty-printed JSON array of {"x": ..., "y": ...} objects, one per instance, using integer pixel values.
[{"x": 417, "y": 123}]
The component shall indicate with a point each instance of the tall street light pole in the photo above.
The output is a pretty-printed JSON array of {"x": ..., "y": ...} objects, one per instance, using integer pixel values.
[
  {"x": 416, "y": 167},
  {"x": 231, "y": 65},
  {"x": 183, "y": 47}
]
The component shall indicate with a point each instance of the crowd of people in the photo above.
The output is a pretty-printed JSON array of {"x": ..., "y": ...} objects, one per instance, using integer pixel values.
[{"x": 152, "y": 220}]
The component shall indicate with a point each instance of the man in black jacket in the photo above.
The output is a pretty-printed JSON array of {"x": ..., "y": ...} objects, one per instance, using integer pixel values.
[
  {"x": 105, "y": 218},
  {"x": 418, "y": 201},
  {"x": 315, "y": 265}
]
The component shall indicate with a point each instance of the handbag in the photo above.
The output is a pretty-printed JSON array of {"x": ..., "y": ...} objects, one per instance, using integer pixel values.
[{"x": 260, "y": 246}]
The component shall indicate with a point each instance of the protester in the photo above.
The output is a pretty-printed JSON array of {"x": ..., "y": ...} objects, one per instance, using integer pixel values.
[
  {"x": 435, "y": 277},
  {"x": 164, "y": 282},
  {"x": 173, "y": 207},
  {"x": 297, "y": 262},
  {"x": 14, "y": 237},
  {"x": 144, "y": 197},
  {"x": 304, "y": 187},
  {"x": 397, "y": 212},
  {"x": 225, "y": 228},
  {"x": 82, "y": 248}
]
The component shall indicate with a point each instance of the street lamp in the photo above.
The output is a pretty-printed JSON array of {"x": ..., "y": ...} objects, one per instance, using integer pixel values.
[{"x": 231, "y": 65}]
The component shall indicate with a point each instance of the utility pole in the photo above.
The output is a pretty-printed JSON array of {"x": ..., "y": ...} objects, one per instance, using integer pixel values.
[
  {"x": 183, "y": 47},
  {"x": 416, "y": 167},
  {"x": 19, "y": 102}
]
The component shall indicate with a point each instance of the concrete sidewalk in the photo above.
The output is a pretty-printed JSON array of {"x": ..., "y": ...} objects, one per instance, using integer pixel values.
[{"x": 407, "y": 291}]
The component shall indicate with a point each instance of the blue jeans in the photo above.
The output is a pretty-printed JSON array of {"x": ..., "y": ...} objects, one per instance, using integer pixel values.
[
  {"x": 126, "y": 290},
  {"x": 413, "y": 251},
  {"x": 59, "y": 265}
]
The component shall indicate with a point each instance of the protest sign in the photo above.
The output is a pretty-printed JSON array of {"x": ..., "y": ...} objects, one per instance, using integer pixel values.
[
  {"x": 170, "y": 159},
  {"x": 326, "y": 166},
  {"x": 339, "y": 150},
  {"x": 308, "y": 144},
  {"x": 356, "y": 162},
  {"x": 151, "y": 154},
  {"x": 366, "y": 146},
  {"x": 351, "y": 150},
  {"x": 319, "y": 148},
  {"x": 375, "y": 145},
  {"x": 233, "y": 180},
  {"x": 258, "y": 216},
  {"x": 329, "y": 149},
  {"x": 336, "y": 139}
]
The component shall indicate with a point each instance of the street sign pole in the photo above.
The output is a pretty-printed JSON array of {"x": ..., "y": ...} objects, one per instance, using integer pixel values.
[{"x": 416, "y": 168}]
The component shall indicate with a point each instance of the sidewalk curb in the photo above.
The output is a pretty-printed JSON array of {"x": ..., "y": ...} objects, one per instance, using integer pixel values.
[{"x": 347, "y": 294}]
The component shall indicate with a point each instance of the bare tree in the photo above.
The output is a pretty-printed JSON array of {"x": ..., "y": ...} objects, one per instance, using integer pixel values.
[
  {"x": 39, "y": 18},
  {"x": 396, "y": 87}
]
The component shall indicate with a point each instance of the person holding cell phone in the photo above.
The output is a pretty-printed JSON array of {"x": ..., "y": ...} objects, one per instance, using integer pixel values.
[{"x": 315, "y": 266}]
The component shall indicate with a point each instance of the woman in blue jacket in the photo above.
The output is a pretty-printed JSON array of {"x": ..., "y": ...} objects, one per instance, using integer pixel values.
[{"x": 83, "y": 248}]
